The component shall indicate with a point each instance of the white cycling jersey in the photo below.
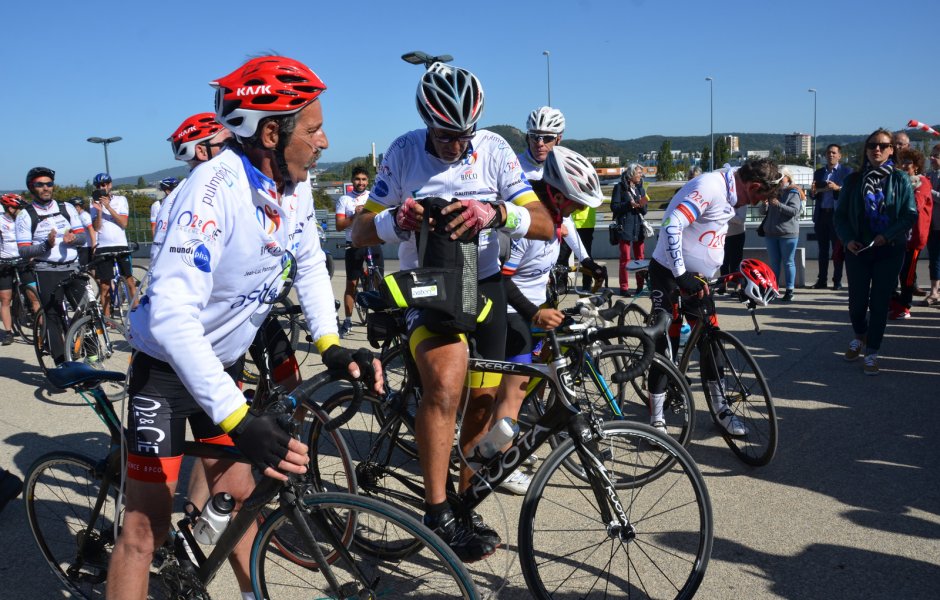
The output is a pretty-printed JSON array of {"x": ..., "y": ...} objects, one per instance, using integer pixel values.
[
  {"x": 154, "y": 211},
  {"x": 224, "y": 252},
  {"x": 489, "y": 172},
  {"x": 531, "y": 167},
  {"x": 530, "y": 262},
  {"x": 60, "y": 253},
  {"x": 695, "y": 223},
  {"x": 346, "y": 205},
  {"x": 85, "y": 218},
  {"x": 159, "y": 231},
  {"x": 111, "y": 234},
  {"x": 8, "y": 248}
]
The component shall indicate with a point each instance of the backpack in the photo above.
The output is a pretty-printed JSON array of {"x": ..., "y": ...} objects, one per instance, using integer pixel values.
[{"x": 35, "y": 218}]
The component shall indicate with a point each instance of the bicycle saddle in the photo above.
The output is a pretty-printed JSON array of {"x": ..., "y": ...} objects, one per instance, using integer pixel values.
[{"x": 69, "y": 374}]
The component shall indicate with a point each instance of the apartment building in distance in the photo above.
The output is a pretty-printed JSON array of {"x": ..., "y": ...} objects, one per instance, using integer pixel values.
[{"x": 796, "y": 144}]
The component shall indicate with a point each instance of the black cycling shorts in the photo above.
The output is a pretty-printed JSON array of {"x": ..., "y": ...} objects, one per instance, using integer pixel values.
[
  {"x": 518, "y": 339},
  {"x": 27, "y": 276},
  {"x": 356, "y": 260},
  {"x": 105, "y": 271}
]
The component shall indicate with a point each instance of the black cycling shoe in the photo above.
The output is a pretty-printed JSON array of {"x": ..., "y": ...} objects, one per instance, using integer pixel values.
[
  {"x": 464, "y": 541},
  {"x": 485, "y": 531}
]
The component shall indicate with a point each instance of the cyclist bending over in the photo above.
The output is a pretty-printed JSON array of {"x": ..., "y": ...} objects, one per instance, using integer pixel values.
[
  {"x": 690, "y": 248},
  {"x": 452, "y": 159},
  {"x": 241, "y": 230}
]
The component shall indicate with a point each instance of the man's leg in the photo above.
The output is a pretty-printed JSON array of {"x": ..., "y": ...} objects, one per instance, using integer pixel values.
[
  {"x": 822, "y": 228},
  {"x": 236, "y": 479},
  {"x": 146, "y": 524}
]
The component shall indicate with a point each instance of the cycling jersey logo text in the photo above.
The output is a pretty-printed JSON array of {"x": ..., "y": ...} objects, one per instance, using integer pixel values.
[
  {"x": 191, "y": 223},
  {"x": 265, "y": 294},
  {"x": 223, "y": 174},
  {"x": 194, "y": 254}
]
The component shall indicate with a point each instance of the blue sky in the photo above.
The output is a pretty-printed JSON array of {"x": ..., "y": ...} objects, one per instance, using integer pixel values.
[{"x": 619, "y": 69}]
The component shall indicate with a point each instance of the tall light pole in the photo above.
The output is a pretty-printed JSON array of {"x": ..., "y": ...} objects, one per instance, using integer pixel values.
[
  {"x": 813, "y": 91},
  {"x": 711, "y": 122},
  {"x": 548, "y": 73},
  {"x": 105, "y": 142}
]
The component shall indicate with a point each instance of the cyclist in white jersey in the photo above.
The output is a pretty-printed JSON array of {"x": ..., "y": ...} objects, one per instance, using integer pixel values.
[
  {"x": 12, "y": 204},
  {"x": 50, "y": 239},
  {"x": 239, "y": 228},
  {"x": 199, "y": 138},
  {"x": 110, "y": 214},
  {"x": 569, "y": 182},
  {"x": 167, "y": 185},
  {"x": 452, "y": 159},
  {"x": 690, "y": 248},
  {"x": 84, "y": 252},
  {"x": 348, "y": 207}
]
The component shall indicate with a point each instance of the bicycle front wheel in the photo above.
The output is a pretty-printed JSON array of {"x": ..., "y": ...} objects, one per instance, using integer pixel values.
[
  {"x": 662, "y": 552},
  {"x": 89, "y": 341},
  {"x": 747, "y": 395},
  {"x": 41, "y": 344},
  {"x": 22, "y": 316},
  {"x": 432, "y": 570},
  {"x": 62, "y": 490}
]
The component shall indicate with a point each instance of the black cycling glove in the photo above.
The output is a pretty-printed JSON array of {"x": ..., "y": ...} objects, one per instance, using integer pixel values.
[
  {"x": 338, "y": 358},
  {"x": 597, "y": 271},
  {"x": 261, "y": 438},
  {"x": 691, "y": 283}
]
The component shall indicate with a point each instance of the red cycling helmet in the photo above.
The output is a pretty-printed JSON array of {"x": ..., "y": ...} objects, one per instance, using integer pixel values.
[
  {"x": 760, "y": 283},
  {"x": 263, "y": 87},
  {"x": 193, "y": 130},
  {"x": 12, "y": 201}
]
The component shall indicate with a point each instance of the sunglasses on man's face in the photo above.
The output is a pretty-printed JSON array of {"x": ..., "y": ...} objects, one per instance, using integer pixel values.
[
  {"x": 544, "y": 138},
  {"x": 42, "y": 184},
  {"x": 450, "y": 139}
]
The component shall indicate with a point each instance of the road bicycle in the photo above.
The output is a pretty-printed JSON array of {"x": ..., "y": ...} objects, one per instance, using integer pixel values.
[
  {"x": 120, "y": 299},
  {"x": 73, "y": 296},
  {"x": 370, "y": 280},
  {"x": 303, "y": 546},
  {"x": 637, "y": 499},
  {"x": 21, "y": 306}
]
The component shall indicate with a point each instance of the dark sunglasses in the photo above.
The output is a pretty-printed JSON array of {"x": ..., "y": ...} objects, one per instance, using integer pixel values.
[
  {"x": 40, "y": 184},
  {"x": 544, "y": 138},
  {"x": 450, "y": 139},
  {"x": 873, "y": 145}
]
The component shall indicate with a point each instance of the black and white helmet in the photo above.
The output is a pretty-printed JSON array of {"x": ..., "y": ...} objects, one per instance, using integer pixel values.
[
  {"x": 573, "y": 175},
  {"x": 546, "y": 119},
  {"x": 449, "y": 98}
]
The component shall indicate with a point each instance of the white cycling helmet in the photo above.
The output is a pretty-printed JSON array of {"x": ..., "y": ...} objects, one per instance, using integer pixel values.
[
  {"x": 449, "y": 98},
  {"x": 573, "y": 175},
  {"x": 546, "y": 119}
]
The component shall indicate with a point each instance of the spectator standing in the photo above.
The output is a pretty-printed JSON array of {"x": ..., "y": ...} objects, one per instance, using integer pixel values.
[
  {"x": 348, "y": 207},
  {"x": 109, "y": 215},
  {"x": 827, "y": 182},
  {"x": 900, "y": 141},
  {"x": 628, "y": 204},
  {"x": 782, "y": 227},
  {"x": 166, "y": 186},
  {"x": 912, "y": 162},
  {"x": 933, "y": 240},
  {"x": 876, "y": 210}
]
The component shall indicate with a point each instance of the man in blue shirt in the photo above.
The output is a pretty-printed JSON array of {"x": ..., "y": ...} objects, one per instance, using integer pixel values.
[{"x": 827, "y": 181}]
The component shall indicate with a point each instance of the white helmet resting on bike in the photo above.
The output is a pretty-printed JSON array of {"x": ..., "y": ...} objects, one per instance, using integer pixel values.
[
  {"x": 449, "y": 98},
  {"x": 573, "y": 175},
  {"x": 546, "y": 119},
  {"x": 760, "y": 283}
]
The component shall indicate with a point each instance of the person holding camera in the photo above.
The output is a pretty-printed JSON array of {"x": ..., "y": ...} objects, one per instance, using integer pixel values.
[
  {"x": 109, "y": 216},
  {"x": 629, "y": 203}
]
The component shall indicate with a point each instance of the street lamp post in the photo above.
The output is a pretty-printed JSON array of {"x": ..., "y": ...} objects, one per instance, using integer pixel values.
[
  {"x": 813, "y": 91},
  {"x": 548, "y": 73},
  {"x": 423, "y": 58},
  {"x": 711, "y": 122},
  {"x": 105, "y": 142}
]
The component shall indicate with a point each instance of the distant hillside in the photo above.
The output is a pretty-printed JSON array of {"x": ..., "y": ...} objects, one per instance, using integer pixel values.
[{"x": 179, "y": 172}]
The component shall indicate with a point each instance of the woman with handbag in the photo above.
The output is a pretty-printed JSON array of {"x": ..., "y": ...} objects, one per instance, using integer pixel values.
[
  {"x": 628, "y": 204},
  {"x": 781, "y": 227}
]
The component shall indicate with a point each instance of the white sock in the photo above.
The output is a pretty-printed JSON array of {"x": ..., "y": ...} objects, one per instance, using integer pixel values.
[
  {"x": 718, "y": 399},
  {"x": 656, "y": 407},
  {"x": 248, "y": 596}
]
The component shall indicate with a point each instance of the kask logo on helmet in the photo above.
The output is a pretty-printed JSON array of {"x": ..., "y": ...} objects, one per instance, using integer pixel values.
[{"x": 253, "y": 90}]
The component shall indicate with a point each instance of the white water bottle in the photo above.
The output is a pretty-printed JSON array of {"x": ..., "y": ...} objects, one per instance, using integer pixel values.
[
  {"x": 684, "y": 333},
  {"x": 501, "y": 434},
  {"x": 214, "y": 518}
]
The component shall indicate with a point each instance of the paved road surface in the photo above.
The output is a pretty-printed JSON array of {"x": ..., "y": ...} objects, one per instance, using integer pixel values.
[{"x": 850, "y": 507}]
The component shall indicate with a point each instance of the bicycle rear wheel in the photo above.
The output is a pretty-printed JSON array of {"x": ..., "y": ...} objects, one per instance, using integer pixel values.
[
  {"x": 140, "y": 273},
  {"x": 748, "y": 396},
  {"x": 664, "y": 551},
  {"x": 22, "y": 316},
  {"x": 62, "y": 489},
  {"x": 108, "y": 350},
  {"x": 431, "y": 570},
  {"x": 41, "y": 344},
  {"x": 120, "y": 301}
]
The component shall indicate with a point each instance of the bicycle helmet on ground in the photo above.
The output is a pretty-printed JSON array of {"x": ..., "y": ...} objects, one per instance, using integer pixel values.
[
  {"x": 12, "y": 201},
  {"x": 169, "y": 184},
  {"x": 760, "y": 283},
  {"x": 195, "y": 129},
  {"x": 37, "y": 172},
  {"x": 101, "y": 178},
  {"x": 546, "y": 119},
  {"x": 573, "y": 175},
  {"x": 263, "y": 87},
  {"x": 449, "y": 98}
]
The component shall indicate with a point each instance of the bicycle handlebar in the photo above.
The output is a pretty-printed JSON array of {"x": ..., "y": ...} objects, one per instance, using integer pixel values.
[
  {"x": 283, "y": 311},
  {"x": 304, "y": 393}
]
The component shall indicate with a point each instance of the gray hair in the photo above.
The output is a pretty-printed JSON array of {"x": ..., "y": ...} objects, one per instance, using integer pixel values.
[
  {"x": 632, "y": 168},
  {"x": 694, "y": 172}
]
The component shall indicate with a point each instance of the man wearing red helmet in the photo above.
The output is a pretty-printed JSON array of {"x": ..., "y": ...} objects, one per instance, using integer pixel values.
[
  {"x": 10, "y": 256},
  {"x": 690, "y": 249},
  {"x": 237, "y": 225}
]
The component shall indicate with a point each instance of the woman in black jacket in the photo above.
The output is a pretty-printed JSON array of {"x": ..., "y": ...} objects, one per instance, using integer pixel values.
[{"x": 628, "y": 204}]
